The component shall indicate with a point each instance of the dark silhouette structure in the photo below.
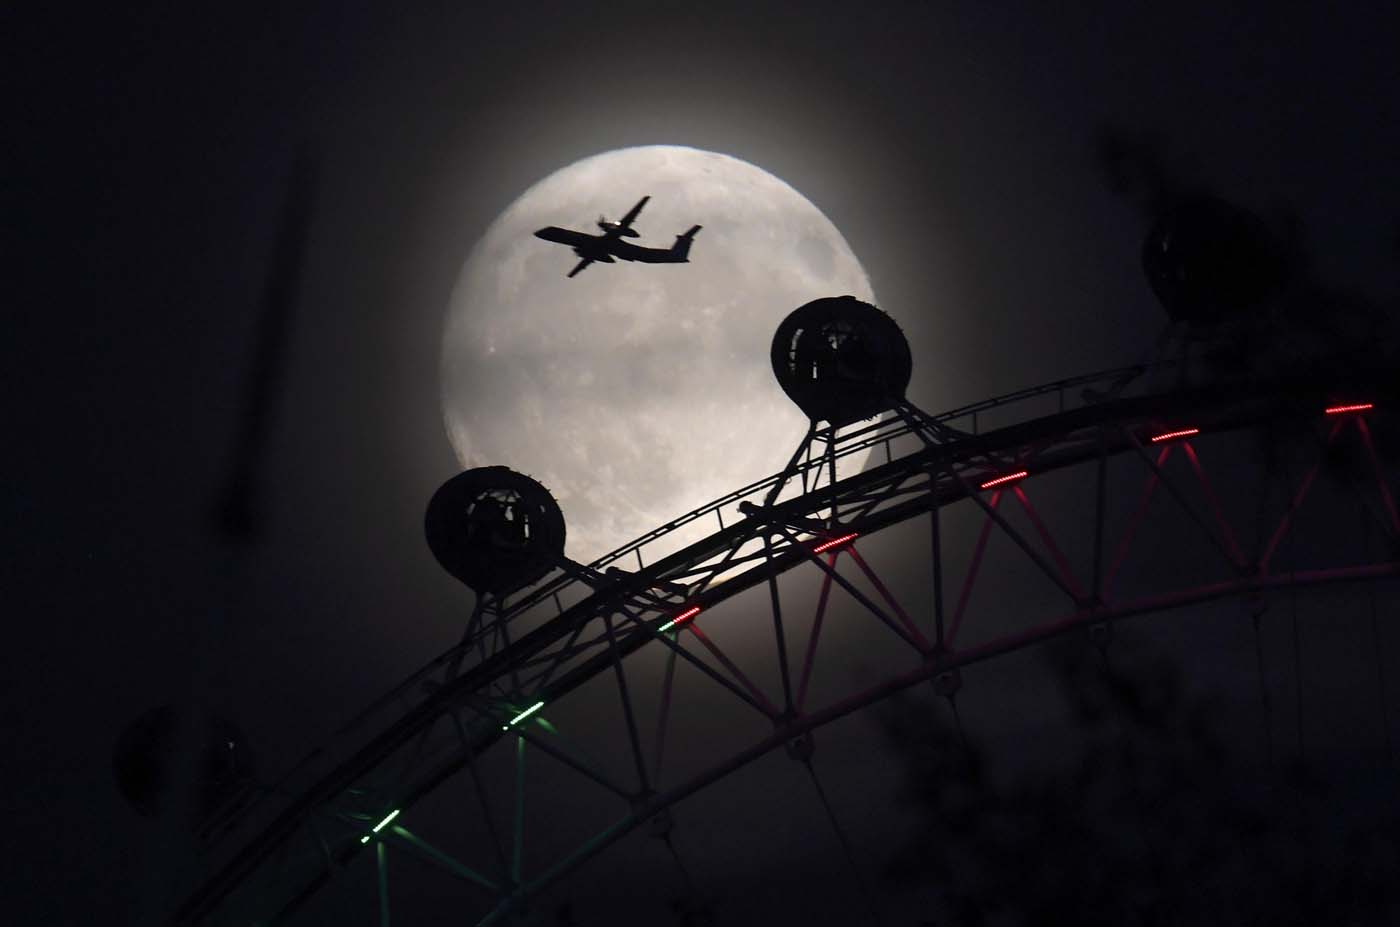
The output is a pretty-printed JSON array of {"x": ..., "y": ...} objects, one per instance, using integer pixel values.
[
  {"x": 1153, "y": 827},
  {"x": 609, "y": 246}
]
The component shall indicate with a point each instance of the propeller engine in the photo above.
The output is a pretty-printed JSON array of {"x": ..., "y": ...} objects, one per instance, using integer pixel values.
[{"x": 617, "y": 228}]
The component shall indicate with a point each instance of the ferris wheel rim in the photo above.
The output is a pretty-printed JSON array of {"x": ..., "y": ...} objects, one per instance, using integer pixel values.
[{"x": 424, "y": 713}]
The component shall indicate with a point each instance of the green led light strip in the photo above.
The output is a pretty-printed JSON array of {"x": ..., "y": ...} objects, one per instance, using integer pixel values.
[
  {"x": 380, "y": 826},
  {"x": 522, "y": 716}
]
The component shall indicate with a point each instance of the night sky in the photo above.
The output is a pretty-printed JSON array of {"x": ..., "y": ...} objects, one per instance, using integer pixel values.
[{"x": 954, "y": 146}]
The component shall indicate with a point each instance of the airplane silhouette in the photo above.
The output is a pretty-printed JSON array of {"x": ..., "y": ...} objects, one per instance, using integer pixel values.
[{"x": 609, "y": 246}]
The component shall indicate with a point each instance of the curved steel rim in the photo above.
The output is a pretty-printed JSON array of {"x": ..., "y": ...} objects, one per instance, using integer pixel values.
[{"x": 1215, "y": 409}]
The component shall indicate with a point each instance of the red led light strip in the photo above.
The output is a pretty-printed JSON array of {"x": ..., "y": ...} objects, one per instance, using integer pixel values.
[
  {"x": 1183, "y": 433},
  {"x": 834, "y": 542},
  {"x": 1005, "y": 479},
  {"x": 681, "y": 619},
  {"x": 1358, "y": 407}
]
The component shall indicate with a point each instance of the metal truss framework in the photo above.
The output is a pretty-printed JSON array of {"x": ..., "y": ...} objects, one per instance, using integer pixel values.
[{"x": 519, "y": 656}]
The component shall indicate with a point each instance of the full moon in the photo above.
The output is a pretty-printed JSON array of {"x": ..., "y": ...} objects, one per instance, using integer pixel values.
[{"x": 637, "y": 392}]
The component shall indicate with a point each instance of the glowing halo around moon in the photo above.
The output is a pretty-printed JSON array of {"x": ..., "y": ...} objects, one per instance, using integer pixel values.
[{"x": 637, "y": 392}]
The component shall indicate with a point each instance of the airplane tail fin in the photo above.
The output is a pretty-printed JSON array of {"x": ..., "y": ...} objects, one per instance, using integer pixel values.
[{"x": 681, "y": 249}]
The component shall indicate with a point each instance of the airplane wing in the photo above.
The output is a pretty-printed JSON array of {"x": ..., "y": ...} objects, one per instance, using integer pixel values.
[
  {"x": 581, "y": 265},
  {"x": 626, "y": 221}
]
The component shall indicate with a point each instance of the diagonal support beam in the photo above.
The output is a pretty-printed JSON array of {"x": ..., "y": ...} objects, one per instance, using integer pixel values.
[
  {"x": 1100, "y": 511},
  {"x": 1135, "y": 522},
  {"x": 778, "y": 635},
  {"x": 792, "y": 466},
  {"x": 381, "y": 865},
  {"x": 767, "y": 707},
  {"x": 716, "y": 570},
  {"x": 668, "y": 638},
  {"x": 473, "y": 626},
  {"x": 431, "y": 854},
  {"x": 560, "y": 658},
  {"x": 972, "y": 570},
  {"x": 1066, "y": 573},
  {"x": 1298, "y": 496},
  {"x": 1380, "y": 477},
  {"x": 1215, "y": 508},
  {"x": 632, "y": 737},
  {"x": 664, "y": 716},
  {"x": 1075, "y": 621},
  {"x": 1180, "y": 497},
  {"x": 890, "y": 599},
  {"x": 554, "y": 744},
  {"x": 816, "y": 632},
  {"x": 517, "y": 849},
  {"x": 831, "y": 470},
  {"x": 480, "y": 791},
  {"x": 856, "y": 594},
  {"x": 936, "y": 536},
  {"x": 570, "y": 759},
  {"x": 1021, "y": 542}
]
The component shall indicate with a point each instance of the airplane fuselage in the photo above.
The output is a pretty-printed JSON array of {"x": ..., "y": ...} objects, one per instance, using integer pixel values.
[
  {"x": 608, "y": 248},
  {"x": 611, "y": 245}
]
